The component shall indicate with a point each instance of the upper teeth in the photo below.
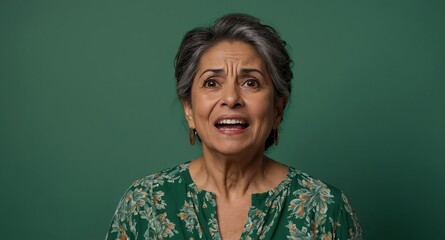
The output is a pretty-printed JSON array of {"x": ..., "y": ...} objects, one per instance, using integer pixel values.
[{"x": 231, "y": 121}]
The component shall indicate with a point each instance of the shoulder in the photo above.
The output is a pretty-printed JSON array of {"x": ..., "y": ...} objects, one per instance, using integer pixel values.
[
  {"x": 150, "y": 190},
  {"x": 140, "y": 204},
  {"x": 306, "y": 182},
  {"x": 324, "y": 204},
  {"x": 171, "y": 175},
  {"x": 311, "y": 194}
]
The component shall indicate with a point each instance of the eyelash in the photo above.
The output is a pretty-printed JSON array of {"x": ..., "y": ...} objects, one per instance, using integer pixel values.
[
  {"x": 213, "y": 81},
  {"x": 252, "y": 80},
  {"x": 210, "y": 80}
]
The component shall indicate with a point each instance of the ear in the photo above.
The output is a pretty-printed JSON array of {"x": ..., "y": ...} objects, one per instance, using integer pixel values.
[
  {"x": 279, "y": 109},
  {"x": 188, "y": 112}
]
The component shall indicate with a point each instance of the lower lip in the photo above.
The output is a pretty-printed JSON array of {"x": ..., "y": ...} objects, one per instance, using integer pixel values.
[{"x": 231, "y": 131}]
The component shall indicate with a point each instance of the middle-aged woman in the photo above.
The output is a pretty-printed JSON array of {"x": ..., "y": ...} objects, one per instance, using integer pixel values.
[{"x": 233, "y": 80}]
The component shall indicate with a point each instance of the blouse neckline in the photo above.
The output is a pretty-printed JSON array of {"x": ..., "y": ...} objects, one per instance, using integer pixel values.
[{"x": 278, "y": 188}]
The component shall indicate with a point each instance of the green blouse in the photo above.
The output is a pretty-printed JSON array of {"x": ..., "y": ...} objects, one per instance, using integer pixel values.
[{"x": 169, "y": 205}]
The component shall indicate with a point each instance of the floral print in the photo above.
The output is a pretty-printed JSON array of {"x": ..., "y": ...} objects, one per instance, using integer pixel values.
[
  {"x": 188, "y": 215},
  {"x": 168, "y": 205}
]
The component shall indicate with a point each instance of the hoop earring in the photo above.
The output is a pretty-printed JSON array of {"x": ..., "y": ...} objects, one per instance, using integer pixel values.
[
  {"x": 192, "y": 135},
  {"x": 275, "y": 136}
]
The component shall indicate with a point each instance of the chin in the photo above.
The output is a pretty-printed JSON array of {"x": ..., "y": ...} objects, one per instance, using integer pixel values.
[{"x": 236, "y": 149}]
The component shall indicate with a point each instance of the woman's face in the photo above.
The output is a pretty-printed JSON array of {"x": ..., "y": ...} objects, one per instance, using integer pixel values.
[{"x": 233, "y": 107}]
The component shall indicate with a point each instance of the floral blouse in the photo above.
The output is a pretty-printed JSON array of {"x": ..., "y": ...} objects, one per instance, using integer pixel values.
[{"x": 169, "y": 205}]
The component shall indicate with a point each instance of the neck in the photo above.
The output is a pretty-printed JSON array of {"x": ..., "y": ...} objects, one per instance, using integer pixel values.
[{"x": 231, "y": 177}]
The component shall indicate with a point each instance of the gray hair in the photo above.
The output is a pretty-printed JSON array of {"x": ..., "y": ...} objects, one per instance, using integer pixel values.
[{"x": 234, "y": 27}]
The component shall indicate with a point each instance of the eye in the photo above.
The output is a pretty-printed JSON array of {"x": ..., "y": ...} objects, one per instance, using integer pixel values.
[
  {"x": 251, "y": 83},
  {"x": 210, "y": 83}
]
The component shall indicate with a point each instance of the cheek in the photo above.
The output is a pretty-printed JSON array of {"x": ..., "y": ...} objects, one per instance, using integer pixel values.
[
  {"x": 202, "y": 107},
  {"x": 264, "y": 116},
  {"x": 264, "y": 106},
  {"x": 202, "y": 111}
]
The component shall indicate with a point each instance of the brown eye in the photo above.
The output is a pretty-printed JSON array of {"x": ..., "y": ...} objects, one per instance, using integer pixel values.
[
  {"x": 210, "y": 83},
  {"x": 251, "y": 83}
]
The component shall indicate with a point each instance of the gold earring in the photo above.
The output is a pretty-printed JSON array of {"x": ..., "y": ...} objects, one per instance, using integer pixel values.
[
  {"x": 275, "y": 136},
  {"x": 192, "y": 135}
]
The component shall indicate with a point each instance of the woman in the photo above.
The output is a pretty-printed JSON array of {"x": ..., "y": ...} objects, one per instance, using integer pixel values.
[{"x": 233, "y": 80}]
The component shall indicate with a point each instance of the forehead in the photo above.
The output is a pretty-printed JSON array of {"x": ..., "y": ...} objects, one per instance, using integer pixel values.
[{"x": 231, "y": 52}]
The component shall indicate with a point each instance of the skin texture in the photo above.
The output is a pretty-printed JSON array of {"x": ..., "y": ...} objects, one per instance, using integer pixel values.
[{"x": 232, "y": 82}]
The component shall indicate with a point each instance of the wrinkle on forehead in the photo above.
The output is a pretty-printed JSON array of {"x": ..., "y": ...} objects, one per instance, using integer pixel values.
[{"x": 231, "y": 57}]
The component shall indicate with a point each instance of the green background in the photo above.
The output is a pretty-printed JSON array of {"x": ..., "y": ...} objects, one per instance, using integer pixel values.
[{"x": 87, "y": 105}]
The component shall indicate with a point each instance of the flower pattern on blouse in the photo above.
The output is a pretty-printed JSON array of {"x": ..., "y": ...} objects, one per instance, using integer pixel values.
[{"x": 168, "y": 205}]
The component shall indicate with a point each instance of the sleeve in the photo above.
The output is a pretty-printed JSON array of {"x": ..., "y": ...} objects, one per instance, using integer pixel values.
[
  {"x": 347, "y": 226},
  {"x": 129, "y": 217}
]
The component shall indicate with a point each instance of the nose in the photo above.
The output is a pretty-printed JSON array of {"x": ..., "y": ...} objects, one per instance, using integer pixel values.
[{"x": 231, "y": 96}]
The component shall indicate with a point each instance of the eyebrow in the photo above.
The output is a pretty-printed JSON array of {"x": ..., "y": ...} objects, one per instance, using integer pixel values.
[
  {"x": 249, "y": 70},
  {"x": 213, "y": 71},
  {"x": 243, "y": 70}
]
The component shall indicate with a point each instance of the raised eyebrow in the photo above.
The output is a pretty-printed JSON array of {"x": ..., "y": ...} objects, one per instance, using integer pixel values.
[
  {"x": 249, "y": 70},
  {"x": 217, "y": 71},
  {"x": 244, "y": 70}
]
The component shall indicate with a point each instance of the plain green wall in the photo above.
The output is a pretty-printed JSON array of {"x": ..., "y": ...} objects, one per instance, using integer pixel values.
[{"x": 87, "y": 105}]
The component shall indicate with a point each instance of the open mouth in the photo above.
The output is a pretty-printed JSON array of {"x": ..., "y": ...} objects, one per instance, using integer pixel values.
[{"x": 231, "y": 124}]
